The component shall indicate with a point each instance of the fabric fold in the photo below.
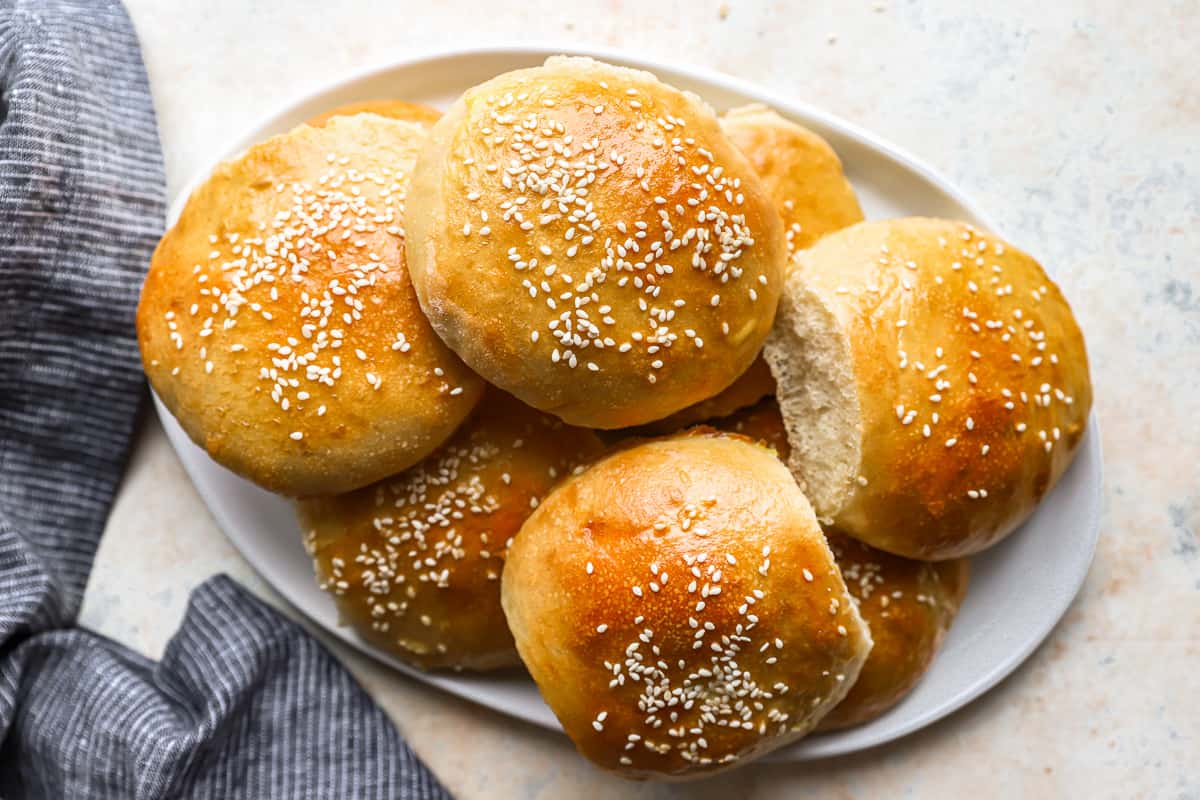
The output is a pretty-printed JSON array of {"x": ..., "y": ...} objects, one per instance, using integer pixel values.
[{"x": 243, "y": 704}]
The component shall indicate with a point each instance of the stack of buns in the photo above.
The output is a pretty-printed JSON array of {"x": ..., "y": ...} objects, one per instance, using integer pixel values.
[{"x": 582, "y": 376}]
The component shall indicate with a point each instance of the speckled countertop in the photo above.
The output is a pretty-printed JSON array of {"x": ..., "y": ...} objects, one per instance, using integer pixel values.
[{"x": 1076, "y": 124}]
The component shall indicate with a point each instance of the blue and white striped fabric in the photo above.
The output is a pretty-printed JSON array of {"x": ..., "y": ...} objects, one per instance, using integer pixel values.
[{"x": 243, "y": 704}]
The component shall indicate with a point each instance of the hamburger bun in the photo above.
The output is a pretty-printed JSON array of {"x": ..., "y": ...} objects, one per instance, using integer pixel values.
[
  {"x": 414, "y": 561},
  {"x": 690, "y": 621},
  {"x": 933, "y": 382},
  {"x": 278, "y": 323},
  {"x": 587, "y": 238}
]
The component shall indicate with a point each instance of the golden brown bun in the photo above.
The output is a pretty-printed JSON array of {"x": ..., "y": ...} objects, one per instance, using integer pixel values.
[
  {"x": 750, "y": 387},
  {"x": 933, "y": 381},
  {"x": 414, "y": 561},
  {"x": 588, "y": 239},
  {"x": 801, "y": 171},
  {"x": 392, "y": 109},
  {"x": 282, "y": 254},
  {"x": 674, "y": 589},
  {"x": 908, "y": 606}
]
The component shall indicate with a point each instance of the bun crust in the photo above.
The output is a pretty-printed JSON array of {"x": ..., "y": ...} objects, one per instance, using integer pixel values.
[
  {"x": 947, "y": 367},
  {"x": 587, "y": 238},
  {"x": 414, "y": 561},
  {"x": 908, "y": 606},
  {"x": 698, "y": 595},
  {"x": 801, "y": 172},
  {"x": 392, "y": 109},
  {"x": 278, "y": 323}
]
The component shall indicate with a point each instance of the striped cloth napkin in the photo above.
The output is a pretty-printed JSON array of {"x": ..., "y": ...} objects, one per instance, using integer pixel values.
[{"x": 243, "y": 704}]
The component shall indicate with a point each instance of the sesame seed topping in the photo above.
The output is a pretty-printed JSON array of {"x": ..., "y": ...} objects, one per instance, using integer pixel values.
[
  {"x": 427, "y": 521},
  {"x": 345, "y": 217},
  {"x": 1020, "y": 348},
  {"x": 543, "y": 182}
]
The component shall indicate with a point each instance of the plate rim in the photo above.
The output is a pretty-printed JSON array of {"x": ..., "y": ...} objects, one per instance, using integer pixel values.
[
  {"x": 519, "y": 47},
  {"x": 531, "y": 50}
]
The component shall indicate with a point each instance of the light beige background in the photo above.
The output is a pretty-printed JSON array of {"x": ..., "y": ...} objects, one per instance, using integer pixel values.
[{"x": 1076, "y": 124}]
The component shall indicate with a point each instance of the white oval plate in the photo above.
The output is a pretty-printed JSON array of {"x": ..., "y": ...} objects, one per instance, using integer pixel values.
[{"x": 1019, "y": 589}]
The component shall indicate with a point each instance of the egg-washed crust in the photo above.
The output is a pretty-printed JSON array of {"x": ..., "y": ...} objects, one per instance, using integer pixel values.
[
  {"x": 414, "y": 561},
  {"x": 971, "y": 374},
  {"x": 278, "y": 322},
  {"x": 392, "y": 109},
  {"x": 587, "y": 238},
  {"x": 690, "y": 621},
  {"x": 801, "y": 172},
  {"x": 908, "y": 606}
]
